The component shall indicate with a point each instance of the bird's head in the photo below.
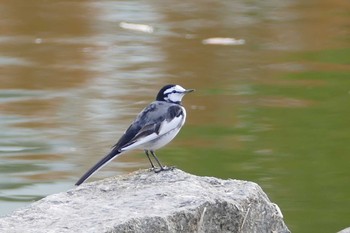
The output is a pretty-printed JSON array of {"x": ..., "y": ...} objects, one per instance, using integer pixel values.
[{"x": 172, "y": 93}]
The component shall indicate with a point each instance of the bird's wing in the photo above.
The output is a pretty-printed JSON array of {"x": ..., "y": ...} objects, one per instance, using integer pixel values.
[
  {"x": 146, "y": 134},
  {"x": 162, "y": 123},
  {"x": 143, "y": 121},
  {"x": 128, "y": 135}
]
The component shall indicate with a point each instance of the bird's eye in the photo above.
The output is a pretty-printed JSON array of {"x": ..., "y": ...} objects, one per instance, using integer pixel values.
[{"x": 173, "y": 91}]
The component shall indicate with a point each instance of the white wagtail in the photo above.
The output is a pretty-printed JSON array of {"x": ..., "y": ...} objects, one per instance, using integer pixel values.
[{"x": 153, "y": 128}]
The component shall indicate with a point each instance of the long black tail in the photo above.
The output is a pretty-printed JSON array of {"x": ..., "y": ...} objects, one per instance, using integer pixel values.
[{"x": 113, "y": 154}]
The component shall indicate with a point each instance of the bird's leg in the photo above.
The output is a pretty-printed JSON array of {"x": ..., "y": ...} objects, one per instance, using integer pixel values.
[
  {"x": 152, "y": 166},
  {"x": 161, "y": 168}
]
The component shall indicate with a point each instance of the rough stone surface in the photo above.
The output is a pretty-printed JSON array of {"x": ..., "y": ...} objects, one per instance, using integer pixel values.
[
  {"x": 143, "y": 201},
  {"x": 347, "y": 230}
]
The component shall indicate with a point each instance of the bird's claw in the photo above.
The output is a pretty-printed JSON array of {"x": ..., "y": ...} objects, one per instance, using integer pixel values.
[{"x": 160, "y": 169}]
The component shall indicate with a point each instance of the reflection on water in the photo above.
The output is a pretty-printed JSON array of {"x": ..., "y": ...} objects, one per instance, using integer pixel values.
[{"x": 273, "y": 109}]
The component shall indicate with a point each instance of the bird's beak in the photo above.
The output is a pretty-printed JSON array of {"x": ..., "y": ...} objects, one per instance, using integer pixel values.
[{"x": 189, "y": 90}]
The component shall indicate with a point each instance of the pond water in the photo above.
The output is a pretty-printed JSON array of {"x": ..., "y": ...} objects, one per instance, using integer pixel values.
[{"x": 272, "y": 100}]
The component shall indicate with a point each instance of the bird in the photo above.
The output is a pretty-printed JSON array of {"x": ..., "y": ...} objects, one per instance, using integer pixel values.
[{"x": 154, "y": 127}]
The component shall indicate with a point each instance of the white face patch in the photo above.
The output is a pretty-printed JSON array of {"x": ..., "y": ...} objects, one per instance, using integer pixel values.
[
  {"x": 175, "y": 93},
  {"x": 176, "y": 88}
]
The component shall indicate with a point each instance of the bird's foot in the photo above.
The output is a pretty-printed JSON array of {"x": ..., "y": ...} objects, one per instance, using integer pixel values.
[{"x": 160, "y": 169}]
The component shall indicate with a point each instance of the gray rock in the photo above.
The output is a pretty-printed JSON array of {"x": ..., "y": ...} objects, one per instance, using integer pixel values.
[
  {"x": 346, "y": 230},
  {"x": 143, "y": 201}
]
